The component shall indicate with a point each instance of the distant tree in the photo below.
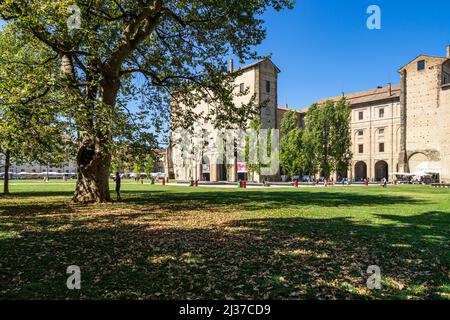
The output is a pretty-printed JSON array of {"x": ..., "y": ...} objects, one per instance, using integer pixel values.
[
  {"x": 253, "y": 165},
  {"x": 288, "y": 122},
  {"x": 132, "y": 151},
  {"x": 327, "y": 137},
  {"x": 341, "y": 151},
  {"x": 308, "y": 156},
  {"x": 137, "y": 169},
  {"x": 115, "y": 167},
  {"x": 291, "y": 145},
  {"x": 319, "y": 123},
  {"x": 149, "y": 164},
  {"x": 31, "y": 128}
]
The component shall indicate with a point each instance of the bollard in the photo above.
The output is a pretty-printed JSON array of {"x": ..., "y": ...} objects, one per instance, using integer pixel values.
[
  {"x": 296, "y": 183},
  {"x": 239, "y": 184},
  {"x": 167, "y": 180},
  {"x": 244, "y": 184},
  {"x": 196, "y": 183},
  {"x": 191, "y": 183},
  {"x": 164, "y": 181}
]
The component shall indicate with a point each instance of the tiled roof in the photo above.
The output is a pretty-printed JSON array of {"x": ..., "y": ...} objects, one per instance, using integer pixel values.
[
  {"x": 256, "y": 63},
  {"x": 160, "y": 150},
  {"x": 367, "y": 96},
  {"x": 423, "y": 56},
  {"x": 295, "y": 110}
]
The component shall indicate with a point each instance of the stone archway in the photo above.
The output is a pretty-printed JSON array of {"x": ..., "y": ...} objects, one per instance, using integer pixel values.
[
  {"x": 425, "y": 162},
  {"x": 416, "y": 161},
  {"x": 381, "y": 170},
  {"x": 360, "y": 171},
  {"x": 206, "y": 169}
]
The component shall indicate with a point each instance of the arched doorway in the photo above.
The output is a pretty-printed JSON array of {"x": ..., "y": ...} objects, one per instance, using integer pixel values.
[
  {"x": 206, "y": 169},
  {"x": 381, "y": 170},
  {"x": 422, "y": 164},
  {"x": 360, "y": 171},
  {"x": 417, "y": 161}
]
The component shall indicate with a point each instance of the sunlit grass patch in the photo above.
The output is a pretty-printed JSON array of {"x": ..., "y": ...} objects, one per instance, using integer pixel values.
[{"x": 185, "y": 243}]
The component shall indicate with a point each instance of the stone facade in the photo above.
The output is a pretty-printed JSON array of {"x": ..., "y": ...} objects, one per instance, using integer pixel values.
[
  {"x": 376, "y": 132},
  {"x": 428, "y": 115},
  {"x": 406, "y": 127},
  {"x": 68, "y": 168},
  {"x": 261, "y": 80},
  {"x": 395, "y": 128}
]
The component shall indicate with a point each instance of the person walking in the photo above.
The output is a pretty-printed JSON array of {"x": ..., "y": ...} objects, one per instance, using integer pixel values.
[{"x": 118, "y": 182}]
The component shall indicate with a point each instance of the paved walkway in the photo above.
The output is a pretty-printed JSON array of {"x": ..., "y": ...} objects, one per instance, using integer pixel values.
[
  {"x": 226, "y": 186},
  {"x": 229, "y": 186}
]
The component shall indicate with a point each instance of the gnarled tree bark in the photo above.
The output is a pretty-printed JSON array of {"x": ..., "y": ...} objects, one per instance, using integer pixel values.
[
  {"x": 93, "y": 156},
  {"x": 93, "y": 173}
]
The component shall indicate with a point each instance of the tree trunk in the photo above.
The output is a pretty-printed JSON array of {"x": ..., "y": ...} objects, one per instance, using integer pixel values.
[
  {"x": 94, "y": 155},
  {"x": 7, "y": 165},
  {"x": 92, "y": 174}
]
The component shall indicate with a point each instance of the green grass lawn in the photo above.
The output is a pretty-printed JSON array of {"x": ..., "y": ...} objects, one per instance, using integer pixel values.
[{"x": 181, "y": 242}]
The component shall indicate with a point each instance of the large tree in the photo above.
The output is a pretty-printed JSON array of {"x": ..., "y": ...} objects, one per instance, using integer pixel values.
[
  {"x": 291, "y": 145},
  {"x": 319, "y": 124},
  {"x": 170, "y": 46},
  {"x": 328, "y": 137},
  {"x": 342, "y": 143}
]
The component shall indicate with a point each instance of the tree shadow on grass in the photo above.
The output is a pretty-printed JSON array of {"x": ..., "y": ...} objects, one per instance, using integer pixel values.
[
  {"x": 175, "y": 201},
  {"x": 283, "y": 258},
  {"x": 26, "y": 194},
  {"x": 267, "y": 200}
]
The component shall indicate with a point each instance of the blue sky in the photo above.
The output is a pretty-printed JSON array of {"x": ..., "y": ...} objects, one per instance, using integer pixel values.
[{"x": 324, "y": 48}]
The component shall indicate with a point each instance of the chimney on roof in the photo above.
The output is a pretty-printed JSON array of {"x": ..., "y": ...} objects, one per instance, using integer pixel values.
[
  {"x": 390, "y": 89},
  {"x": 231, "y": 66},
  {"x": 448, "y": 52}
]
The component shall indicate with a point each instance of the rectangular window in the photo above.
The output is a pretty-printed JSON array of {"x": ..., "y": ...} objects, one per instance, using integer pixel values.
[
  {"x": 381, "y": 113},
  {"x": 381, "y": 147},
  {"x": 381, "y": 131},
  {"x": 361, "y": 115},
  {"x": 268, "y": 86},
  {"x": 361, "y": 148},
  {"x": 360, "y": 133},
  {"x": 421, "y": 65},
  {"x": 241, "y": 88}
]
